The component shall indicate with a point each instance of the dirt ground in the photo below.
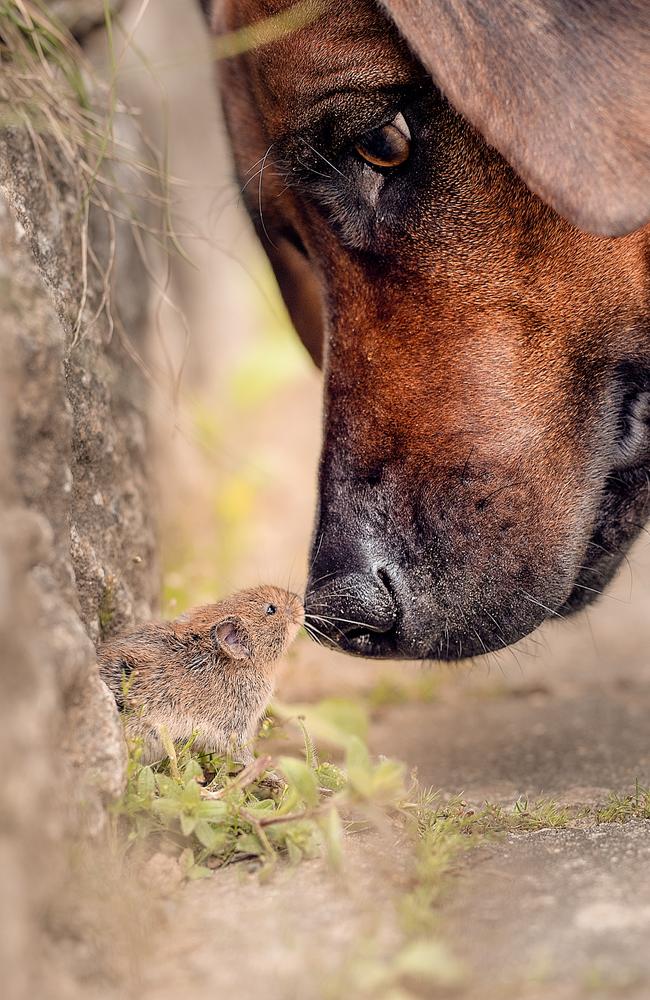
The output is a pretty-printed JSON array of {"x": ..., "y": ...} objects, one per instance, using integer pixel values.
[{"x": 553, "y": 914}]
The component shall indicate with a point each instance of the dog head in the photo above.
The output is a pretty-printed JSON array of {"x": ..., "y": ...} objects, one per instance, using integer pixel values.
[{"x": 451, "y": 195}]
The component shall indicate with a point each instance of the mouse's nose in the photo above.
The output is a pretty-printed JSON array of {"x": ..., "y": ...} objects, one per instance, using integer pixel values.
[
  {"x": 350, "y": 608},
  {"x": 294, "y": 610}
]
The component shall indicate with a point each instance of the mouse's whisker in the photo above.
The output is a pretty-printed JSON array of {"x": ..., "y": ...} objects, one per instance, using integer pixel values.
[
  {"x": 346, "y": 621},
  {"x": 314, "y": 632},
  {"x": 324, "y": 620}
]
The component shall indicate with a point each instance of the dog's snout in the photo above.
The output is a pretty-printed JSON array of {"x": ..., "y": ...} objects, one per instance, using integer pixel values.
[{"x": 350, "y": 606}]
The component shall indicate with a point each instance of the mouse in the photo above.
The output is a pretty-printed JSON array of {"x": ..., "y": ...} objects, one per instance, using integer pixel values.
[{"x": 211, "y": 671}]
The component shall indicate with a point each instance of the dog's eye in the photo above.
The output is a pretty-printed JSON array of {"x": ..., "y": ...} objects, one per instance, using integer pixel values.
[{"x": 386, "y": 147}]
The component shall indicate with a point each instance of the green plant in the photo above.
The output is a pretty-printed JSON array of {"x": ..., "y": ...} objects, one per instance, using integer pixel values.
[
  {"x": 621, "y": 808},
  {"x": 107, "y": 607},
  {"x": 206, "y": 805}
]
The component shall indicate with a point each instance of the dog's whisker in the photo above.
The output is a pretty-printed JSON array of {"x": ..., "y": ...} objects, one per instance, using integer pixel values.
[
  {"x": 544, "y": 607},
  {"x": 503, "y": 642},
  {"x": 601, "y": 593},
  {"x": 316, "y": 553},
  {"x": 313, "y": 631},
  {"x": 347, "y": 621},
  {"x": 259, "y": 196},
  {"x": 321, "y": 619},
  {"x": 325, "y": 160},
  {"x": 323, "y": 577},
  {"x": 257, "y": 174},
  {"x": 312, "y": 170}
]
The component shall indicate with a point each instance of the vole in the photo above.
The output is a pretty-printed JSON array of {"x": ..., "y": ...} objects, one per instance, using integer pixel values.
[{"x": 210, "y": 671}]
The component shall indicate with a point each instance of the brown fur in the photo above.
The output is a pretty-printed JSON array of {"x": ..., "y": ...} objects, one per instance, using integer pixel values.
[
  {"x": 181, "y": 676},
  {"x": 486, "y": 363}
]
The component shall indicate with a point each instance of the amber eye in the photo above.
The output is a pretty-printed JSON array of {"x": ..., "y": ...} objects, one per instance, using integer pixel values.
[
  {"x": 388, "y": 146},
  {"x": 271, "y": 609}
]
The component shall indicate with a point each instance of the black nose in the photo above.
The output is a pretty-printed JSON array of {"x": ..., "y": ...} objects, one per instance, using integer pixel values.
[{"x": 351, "y": 610}]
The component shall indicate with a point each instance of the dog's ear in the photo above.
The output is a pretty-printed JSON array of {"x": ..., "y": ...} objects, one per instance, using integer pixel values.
[
  {"x": 231, "y": 637},
  {"x": 560, "y": 87},
  {"x": 301, "y": 293}
]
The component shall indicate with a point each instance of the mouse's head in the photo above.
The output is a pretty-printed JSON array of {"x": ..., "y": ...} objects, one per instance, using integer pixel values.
[{"x": 257, "y": 624}]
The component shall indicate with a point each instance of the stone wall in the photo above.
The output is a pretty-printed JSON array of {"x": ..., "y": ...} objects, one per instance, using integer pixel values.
[{"x": 77, "y": 542}]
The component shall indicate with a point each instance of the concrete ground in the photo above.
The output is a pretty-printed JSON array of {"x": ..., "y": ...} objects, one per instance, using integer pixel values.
[{"x": 555, "y": 913}]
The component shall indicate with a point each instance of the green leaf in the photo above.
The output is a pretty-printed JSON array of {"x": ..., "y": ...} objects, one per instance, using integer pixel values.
[
  {"x": 330, "y": 776},
  {"x": 260, "y": 807},
  {"x": 429, "y": 960},
  {"x": 166, "y": 807},
  {"x": 146, "y": 783},
  {"x": 300, "y": 777},
  {"x": 188, "y": 823},
  {"x": 388, "y": 781},
  {"x": 199, "y": 871},
  {"x": 191, "y": 795},
  {"x": 186, "y": 860},
  {"x": 332, "y": 830},
  {"x": 215, "y": 811},
  {"x": 331, "y": 721},
  {"x": 247, "y": 843},
  {"x": 357, "y": 756},
  {"x": 358, "y": 767},
  {"x": 294, "y": 852},
  {"x": 167, "y": 786},
  {"x": 215, "y": 840},
  {"x": 192, "y": 770}
]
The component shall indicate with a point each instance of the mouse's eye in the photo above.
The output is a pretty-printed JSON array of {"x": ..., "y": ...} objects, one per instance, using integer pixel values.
[
  {"x": 386, "y": 147},
  {"x": 271, "y": 609}
]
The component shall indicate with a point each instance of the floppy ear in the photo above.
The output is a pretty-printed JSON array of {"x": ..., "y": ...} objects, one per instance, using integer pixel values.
[
  {"x": 232, "y": 638},
  {"x": 301, "y": 294},
  {"x": 560, "y": 87}
]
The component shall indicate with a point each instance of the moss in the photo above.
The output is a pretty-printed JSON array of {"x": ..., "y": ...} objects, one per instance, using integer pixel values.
[{"x": 107, "y": 608}]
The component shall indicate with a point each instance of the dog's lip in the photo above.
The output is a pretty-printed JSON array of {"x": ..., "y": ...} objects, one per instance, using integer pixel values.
[
  {"x": 395, "y": 645},
  {"x": 373, "y": 645},
  {"x": 380, "y": 645}
]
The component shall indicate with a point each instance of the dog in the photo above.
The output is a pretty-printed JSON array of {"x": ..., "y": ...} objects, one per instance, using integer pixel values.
[{"x": 452, "y": 195}]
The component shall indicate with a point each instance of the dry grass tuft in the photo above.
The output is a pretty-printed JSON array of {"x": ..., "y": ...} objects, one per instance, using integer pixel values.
[{"x": 49, "y": 90}]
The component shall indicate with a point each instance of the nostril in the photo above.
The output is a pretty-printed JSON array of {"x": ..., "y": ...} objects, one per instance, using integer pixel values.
[
  {"x": 384, "y": 578},
  {"x": 354, "y": 604}
]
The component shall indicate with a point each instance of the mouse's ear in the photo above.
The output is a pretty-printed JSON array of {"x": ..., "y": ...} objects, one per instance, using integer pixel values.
[
  {"x": 232, "y": 638},
  {"x": 561, "y": 88}
]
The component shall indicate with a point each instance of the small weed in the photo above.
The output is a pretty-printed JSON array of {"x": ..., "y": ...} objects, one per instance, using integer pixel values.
[
  {"x": 107, "y": 608},
  {"x": 208, "y": 812},
  {"x": 392, "y": 690},
  {"x": 415, "y": 969},
  {"x": 600, "y": 981},
  {"x": 544, "y": 814},
  {"x": 621, "y": 808}
]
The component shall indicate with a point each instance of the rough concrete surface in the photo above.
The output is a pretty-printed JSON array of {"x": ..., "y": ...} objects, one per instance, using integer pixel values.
[
  {"x": 560, "y": 914},
  {"x": 76, "y": 533},
  {"x": 557, "y": 913}
]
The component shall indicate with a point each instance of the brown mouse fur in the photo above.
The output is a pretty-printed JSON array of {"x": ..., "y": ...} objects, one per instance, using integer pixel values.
[{"x": 210, "y": 671}]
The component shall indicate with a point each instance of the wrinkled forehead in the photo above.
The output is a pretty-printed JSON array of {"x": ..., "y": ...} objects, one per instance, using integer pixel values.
[{"x": 325, "y": 51}]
